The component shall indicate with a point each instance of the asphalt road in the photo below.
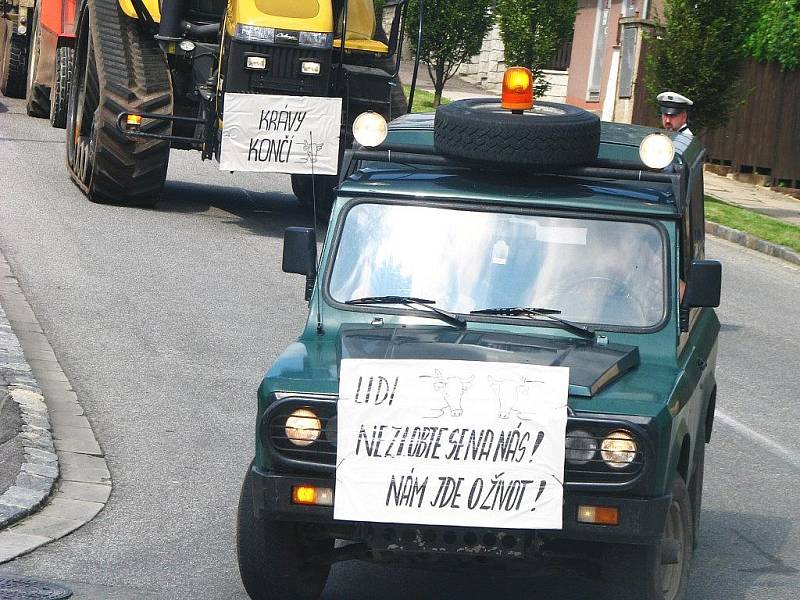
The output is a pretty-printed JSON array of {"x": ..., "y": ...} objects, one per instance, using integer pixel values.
[{"x": 165, "y": 320}]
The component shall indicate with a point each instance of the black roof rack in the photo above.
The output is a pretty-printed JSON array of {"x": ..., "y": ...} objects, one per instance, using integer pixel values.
[{"x": 414, "y": 154}]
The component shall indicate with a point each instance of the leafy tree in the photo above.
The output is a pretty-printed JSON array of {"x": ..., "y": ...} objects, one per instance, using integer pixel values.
[
  {"x": 776, "y": 36},
  {"x": 453, "y": 31},
  {"x": 700, "y": 55},
  {"x": 533, "y": 31}
]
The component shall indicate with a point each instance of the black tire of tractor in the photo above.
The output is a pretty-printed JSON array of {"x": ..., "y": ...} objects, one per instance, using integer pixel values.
[
  {"x": 37, "y": 96},
  {"x": 549, "y": 135},
  {"x": 117, "y": 68},
  {"x": 399, "y": 103},
  {"x": 270, "y": 556},
  {"x": 13, "y": 81},
  {"x": 59, "y": 94},
  {"x": 325, "y": 189}
]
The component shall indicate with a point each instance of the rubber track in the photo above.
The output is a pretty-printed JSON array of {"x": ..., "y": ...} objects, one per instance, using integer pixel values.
[
  {"x": 132, "y": 76},
  {"x": 16, "y": 70},
  {"x": 59, "y": 95},
  {"x": 505, "y": 139}
]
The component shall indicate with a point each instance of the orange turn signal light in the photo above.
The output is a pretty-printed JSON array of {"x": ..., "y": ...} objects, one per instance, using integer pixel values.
[
  {"x": 517, "y": 89},
  {"x": 311, "y": 495},
  {"x": 598, "y": 515},
  {"x": 133, "y": 121}
]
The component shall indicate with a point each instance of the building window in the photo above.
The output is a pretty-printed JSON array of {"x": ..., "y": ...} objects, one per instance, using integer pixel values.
[{"x": 600, "y": 36}]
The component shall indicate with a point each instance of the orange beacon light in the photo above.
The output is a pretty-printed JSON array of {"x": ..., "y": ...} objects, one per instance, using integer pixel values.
[{"x": 517, "y": 89}]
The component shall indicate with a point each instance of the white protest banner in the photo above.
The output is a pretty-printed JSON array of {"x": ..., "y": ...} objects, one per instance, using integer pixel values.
[
  {"x": 447, "y": 442},
  {"x": 281, "y": 134}
]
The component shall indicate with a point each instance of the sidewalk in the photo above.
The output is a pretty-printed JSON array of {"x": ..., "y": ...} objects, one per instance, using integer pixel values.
[
  {"x": 29, "y": 464},
  {"x": 455, "y": 89},
  {"x": 52, "y": 465},
  {"x": 753, "y": 197}
]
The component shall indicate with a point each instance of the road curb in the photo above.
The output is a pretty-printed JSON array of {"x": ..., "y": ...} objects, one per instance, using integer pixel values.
[
  {"x": 750, "y": 241},
  {"x": 64, "y": 474},
  {"x": 39, "y": 469}
]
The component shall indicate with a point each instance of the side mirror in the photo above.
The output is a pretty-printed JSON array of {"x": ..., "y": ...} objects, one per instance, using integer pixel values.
[
  {"x": 704, "y": 286},
  {"x": 300, "y": 255}
]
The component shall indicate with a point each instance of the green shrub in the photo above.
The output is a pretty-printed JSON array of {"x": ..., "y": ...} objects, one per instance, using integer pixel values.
[
  {"x": 452, "y": 32},
  {"x": 700, "y": 55},
  {"x": 776, "y": 36},
  {"x": 533, "y": 31}
]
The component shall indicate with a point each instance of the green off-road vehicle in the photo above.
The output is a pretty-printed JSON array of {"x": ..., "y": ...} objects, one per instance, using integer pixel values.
[{"x": 508, "y": 361}]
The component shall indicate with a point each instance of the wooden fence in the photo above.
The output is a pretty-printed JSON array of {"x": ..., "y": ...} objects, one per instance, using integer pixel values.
[{"x": 763, "y": 136}]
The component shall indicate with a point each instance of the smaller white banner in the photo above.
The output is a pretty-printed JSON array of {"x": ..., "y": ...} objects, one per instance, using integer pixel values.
[
  {"x": 446, "y": 442},
  {"x": 281, "y": 134}
]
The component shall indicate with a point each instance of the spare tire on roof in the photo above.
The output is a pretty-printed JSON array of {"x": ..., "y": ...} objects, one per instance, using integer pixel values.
[{"x": 548, "y": 135}]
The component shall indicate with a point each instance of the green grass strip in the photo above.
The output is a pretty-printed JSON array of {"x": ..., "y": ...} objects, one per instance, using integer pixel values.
[
  {"x": 761, "y": 226},
  {"x": 423, "y": 101}
]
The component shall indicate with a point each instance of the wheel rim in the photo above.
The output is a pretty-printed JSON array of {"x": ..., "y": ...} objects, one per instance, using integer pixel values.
[
  {"x": 674, "y": 532},
  {"x": 538, "y": 110}
]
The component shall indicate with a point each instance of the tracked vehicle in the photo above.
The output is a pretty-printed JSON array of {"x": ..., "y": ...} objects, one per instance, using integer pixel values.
[{"x": 150, "y": 76}]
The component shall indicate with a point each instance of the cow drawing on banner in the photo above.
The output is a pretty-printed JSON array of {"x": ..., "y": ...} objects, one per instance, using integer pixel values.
[
  {"x": 452, "y": 390},
  {"x": 311, "y": 150},
  {"x": 515, "y": 395}
]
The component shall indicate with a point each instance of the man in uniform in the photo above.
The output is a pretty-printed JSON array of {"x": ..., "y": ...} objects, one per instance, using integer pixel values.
[{"x": 674, "y": 115}]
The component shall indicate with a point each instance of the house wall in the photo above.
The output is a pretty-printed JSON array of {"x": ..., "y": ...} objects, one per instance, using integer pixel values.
[{"x": 583, "y": 50}]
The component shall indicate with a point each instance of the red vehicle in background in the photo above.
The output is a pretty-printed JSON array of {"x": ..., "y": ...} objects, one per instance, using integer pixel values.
[
  {"x": 50, "y": 60},
  {"x": 36, "y": 55}
]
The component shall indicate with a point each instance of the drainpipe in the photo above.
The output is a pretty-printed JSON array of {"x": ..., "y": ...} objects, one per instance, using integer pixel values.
[{"x": 646, "y": 9}]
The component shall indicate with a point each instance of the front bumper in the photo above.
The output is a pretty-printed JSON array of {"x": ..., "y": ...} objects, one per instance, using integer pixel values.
[{"x": 641, "y": 520}]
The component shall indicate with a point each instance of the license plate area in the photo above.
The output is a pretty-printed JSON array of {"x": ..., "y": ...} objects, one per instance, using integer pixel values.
[{"x": 461, "y": 541}]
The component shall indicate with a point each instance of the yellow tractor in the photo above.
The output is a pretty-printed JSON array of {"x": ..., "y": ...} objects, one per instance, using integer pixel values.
[{"x": 150, "y": 75}]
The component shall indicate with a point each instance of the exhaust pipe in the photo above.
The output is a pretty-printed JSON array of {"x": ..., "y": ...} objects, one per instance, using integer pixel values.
[{"x": 172, "y": 13}]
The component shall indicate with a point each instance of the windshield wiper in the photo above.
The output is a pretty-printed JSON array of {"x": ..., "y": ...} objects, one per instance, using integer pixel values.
[
  {"x": 447, "y": 317},
  {"x": 547, "y": 313}
]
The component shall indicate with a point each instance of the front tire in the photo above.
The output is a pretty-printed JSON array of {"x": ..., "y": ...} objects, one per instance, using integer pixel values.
[
  {"x": 274, "y": 555},
  {"x": 661, "y": 571},
  {"x": 62, "y": 79},
  {"x": 13, "y": 78},
  {"x": 117, "y": 68}
]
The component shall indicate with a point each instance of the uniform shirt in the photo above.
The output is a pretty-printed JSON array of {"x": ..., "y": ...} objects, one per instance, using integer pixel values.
[{"x": 686, "y": 131}]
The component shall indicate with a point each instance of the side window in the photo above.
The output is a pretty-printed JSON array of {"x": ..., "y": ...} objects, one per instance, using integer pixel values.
[
  {"x": 698, "y": 220},
  {"x": 693, "y": 232}
]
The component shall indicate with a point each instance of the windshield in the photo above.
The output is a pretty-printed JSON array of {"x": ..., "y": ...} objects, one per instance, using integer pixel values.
[{"x": 594, "y": 271}]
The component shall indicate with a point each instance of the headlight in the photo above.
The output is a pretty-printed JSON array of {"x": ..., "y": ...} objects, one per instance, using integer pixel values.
[
  {"x": 581, "y": 447},
  {"x": 256, "y": 62},
  {"x": 303, "y": 427},
  {"x": 657, "y": 151},
  {"x": 618, "y": 449},
  {"x": 317, "y": 40},
  {"x": 310, "y": 67},
  {"x": 370, "y": 129},
  {"x": 254, "y": 33}
]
